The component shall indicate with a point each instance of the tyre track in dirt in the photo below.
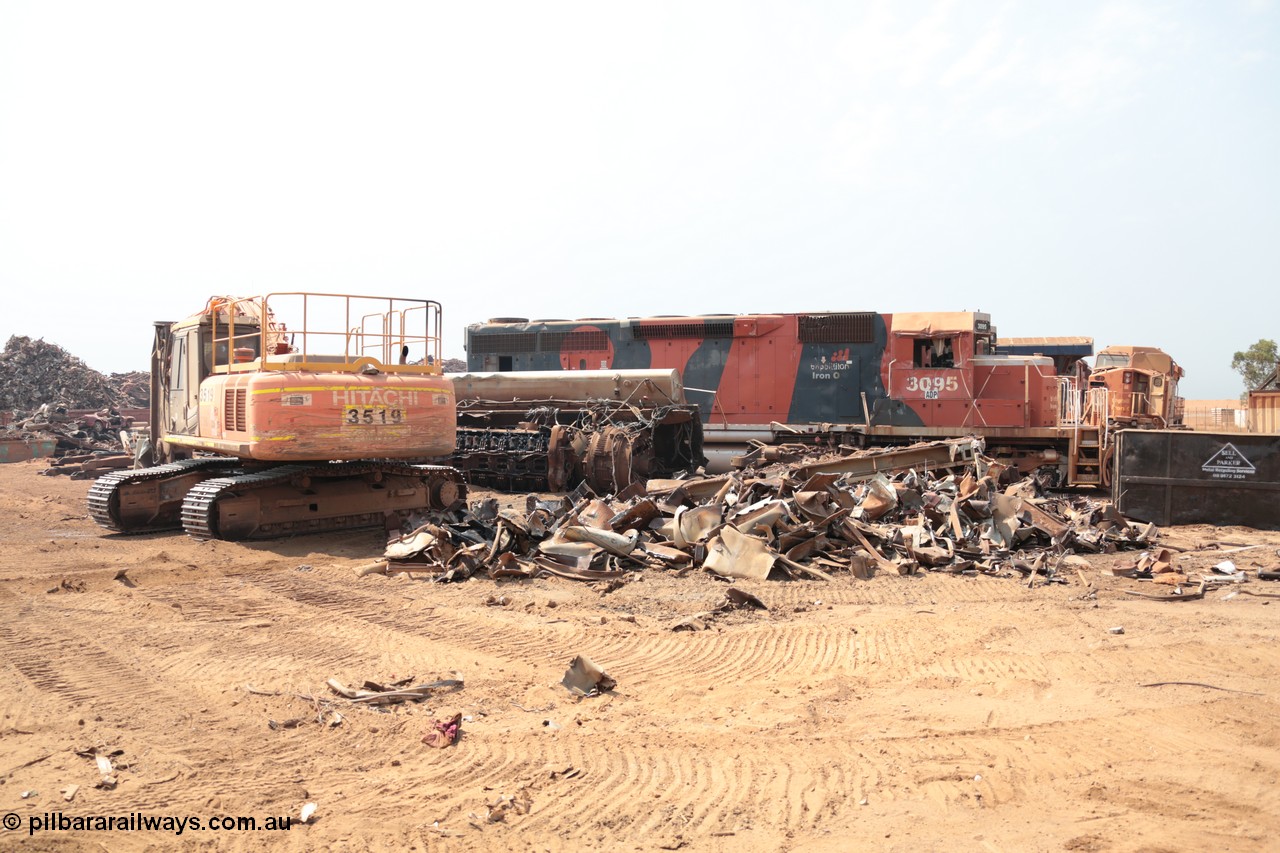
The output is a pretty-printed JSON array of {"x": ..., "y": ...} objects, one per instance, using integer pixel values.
[
  {"x": 314, "y": 628},
  {"x": 921, "y": 590},
  {"x": 42, "y": 657},
  {"x": 989, "y": 767},
  {"x": 748, "y": 652},
  {"x": 90, "y": 681},
  {"x": 942, "y": 769},
  {"x": 753, "y": 652},
  {"x": 94, "y": 671},
  {"x": 218, "y": 617},
  {"x": 773, "y": 785},
  {"x": 1179, "y": 659},
  {"x": 639, "y": 774},
  {"x": 1148, "y": 744},
  {"x": 744, "y": 653},
  {"x": 614, "y": 796},
  {"x": 473, "y": 635}
]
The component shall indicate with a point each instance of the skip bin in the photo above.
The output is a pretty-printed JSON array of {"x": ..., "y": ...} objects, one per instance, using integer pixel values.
[
  {"x": 1185, "y": 477},
  {"x": 20, "y": 449}
]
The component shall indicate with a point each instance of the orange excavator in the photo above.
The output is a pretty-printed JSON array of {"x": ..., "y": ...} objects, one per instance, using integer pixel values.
[{"x": 260, "y": 431}]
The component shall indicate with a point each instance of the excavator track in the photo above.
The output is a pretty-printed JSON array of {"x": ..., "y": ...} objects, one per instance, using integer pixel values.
[
  {"x": 150, "y": 499},
  {"x": 296, "y": 499}
]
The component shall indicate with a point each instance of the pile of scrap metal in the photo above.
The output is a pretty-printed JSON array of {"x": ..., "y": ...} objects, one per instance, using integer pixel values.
[
  {"x": 936, "y": 506},
  {"x": 52, "y": 404},
  {"x": 33, "y": 372},
  {"x": 544, "y": 432},
  {"x": 82, "y": 444}
]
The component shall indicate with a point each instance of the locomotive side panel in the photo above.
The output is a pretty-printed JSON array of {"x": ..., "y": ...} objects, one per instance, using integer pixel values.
[
  {"x": 931, "y": 370},
  {"x": 750, "y": 369},
  {"x": 839, "y": 361}
]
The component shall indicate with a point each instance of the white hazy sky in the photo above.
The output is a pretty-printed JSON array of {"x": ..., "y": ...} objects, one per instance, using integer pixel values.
[{"x": 1074, "y": 168}]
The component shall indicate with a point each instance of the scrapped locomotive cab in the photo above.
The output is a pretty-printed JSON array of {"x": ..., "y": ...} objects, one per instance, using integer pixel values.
[
  {"x": 291, "y": 413},
  {"x": 1141, "y": 385},
  {"x": 931, "y": 357}
]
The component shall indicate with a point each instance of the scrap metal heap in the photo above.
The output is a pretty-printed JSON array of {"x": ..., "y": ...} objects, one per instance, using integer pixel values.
[
  {"x": 936, "y": 506},
  {"x": 81, "y": 444},
  {"x": 52, "y": 404},
  {"x": 35, "y": 372}
]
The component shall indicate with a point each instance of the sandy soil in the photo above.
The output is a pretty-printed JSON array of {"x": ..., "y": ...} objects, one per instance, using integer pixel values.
[{"x": 920, "y": 713}]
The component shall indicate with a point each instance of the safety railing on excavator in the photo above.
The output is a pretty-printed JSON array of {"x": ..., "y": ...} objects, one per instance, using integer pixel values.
[{"x": 338, "y": 331}]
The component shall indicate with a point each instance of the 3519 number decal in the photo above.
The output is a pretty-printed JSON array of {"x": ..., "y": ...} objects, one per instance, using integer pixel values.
[{"x": 371, "y": 416}]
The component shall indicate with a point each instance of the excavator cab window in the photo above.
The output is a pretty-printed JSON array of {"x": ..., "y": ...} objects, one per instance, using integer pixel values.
[
  {"x": 178, "y": 364},
  {"x": 219, "y": 353}
]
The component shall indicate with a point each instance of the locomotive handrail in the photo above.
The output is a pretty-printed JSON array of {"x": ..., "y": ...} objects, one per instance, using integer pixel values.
[{"x": 1068, "y": 401}]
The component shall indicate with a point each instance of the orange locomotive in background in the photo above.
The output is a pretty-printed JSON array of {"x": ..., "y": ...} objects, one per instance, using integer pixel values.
[
  {"x": 851, "y": 377},
  {"x": 261, "y": 430}
]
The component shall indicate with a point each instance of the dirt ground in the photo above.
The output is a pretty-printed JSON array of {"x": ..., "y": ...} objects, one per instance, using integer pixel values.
[{"x": 901, "y": 713}]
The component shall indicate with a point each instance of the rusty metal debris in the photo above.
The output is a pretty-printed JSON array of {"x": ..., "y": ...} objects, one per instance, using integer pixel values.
[
  {"x": 107, "y": 770},
  {"x": 496, "y": 811},
  {"x": 1177, "y": 595},
  {"x": 53, "y": 405},
  {"x": 939, "y": 506},
  {"x": 608, "y": 428},
  {"x": 549, "y": 448},
  {"x": 78, "y": 450},
  {"x": 374, "y": 693},
  {"x": 734, "y": 599},
  {"x": 584, "y": 677},
  {"x": 33, "y": 372},
  {"x": 86, "y": 466}
]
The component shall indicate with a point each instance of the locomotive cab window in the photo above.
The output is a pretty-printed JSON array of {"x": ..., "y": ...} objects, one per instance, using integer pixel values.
[{"x": 934, "y": 352}]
